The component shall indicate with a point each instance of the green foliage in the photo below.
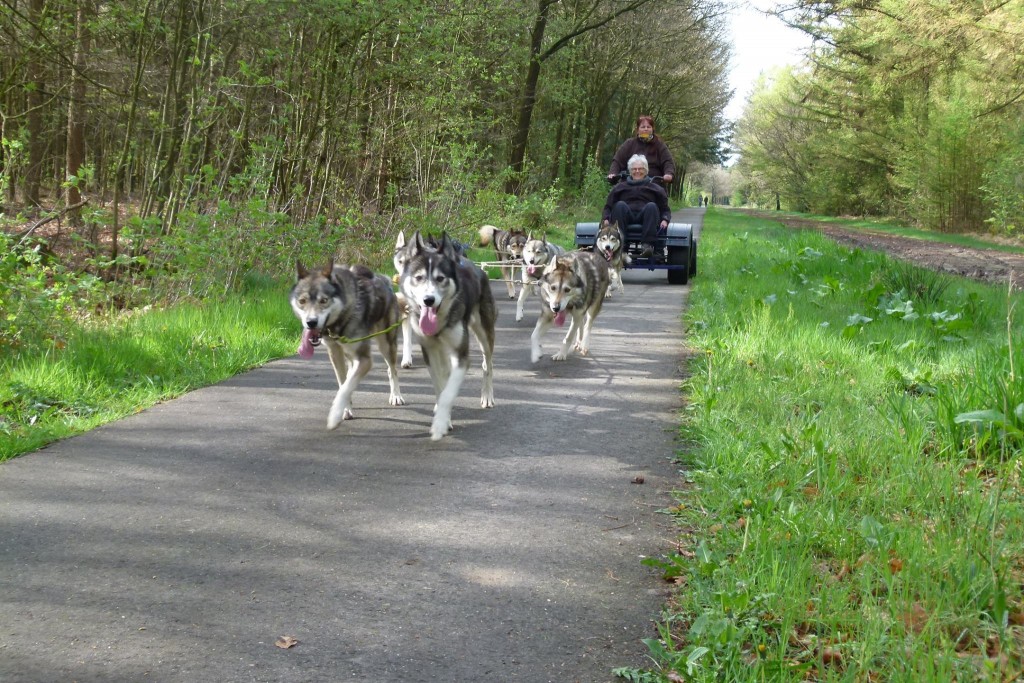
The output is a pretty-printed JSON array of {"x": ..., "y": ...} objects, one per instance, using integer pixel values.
[
  {"x": 905, "y": 110},
  {"x": 1004, "y": 187},
  {"x": 39, "y": 298},
  {"x": 853, "y": 504}
]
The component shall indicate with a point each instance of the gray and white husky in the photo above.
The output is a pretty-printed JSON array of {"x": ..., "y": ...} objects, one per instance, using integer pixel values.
[
  {"x": 448, "y": 297},
  {"x": 508, "y": 247},
  {"x": 343, "y": 306},
  {"x": 572, "y": 286},
  {"x": 536, "y": 255},
  {"x": 609, "y": 243}
]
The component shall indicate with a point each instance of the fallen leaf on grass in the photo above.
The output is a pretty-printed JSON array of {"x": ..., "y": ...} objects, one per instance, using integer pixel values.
[
  {"x": 285, "y": 642},
  {"x": 831, "y": 656},
  {"x": 915, "y": 618},
  {"x": 639, "y": 479}
]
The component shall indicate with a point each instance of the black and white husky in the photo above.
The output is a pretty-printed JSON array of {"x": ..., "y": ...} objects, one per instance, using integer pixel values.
[
  {"x": 536, "y": 255},
  {"x": 346, "y": 306},
  {"x": 448, "y": 298},
  {"x": 611, "y": 244},
  {"x": 571, "y": 286}
]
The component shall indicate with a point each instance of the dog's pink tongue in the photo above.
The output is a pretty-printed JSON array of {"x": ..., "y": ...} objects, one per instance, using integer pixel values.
[
  {"x": 530, "y": 269},
  {"x": 560, "y": 318},
  {"x": 428, "y": 321},
  {"x": 306, "y": 345}
]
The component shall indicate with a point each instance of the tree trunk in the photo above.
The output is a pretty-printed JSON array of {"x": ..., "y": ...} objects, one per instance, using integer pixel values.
[
  {"x": 75, "y": 157},
  {"x": 527, "y": 100},
  {"x": 35, "y": 104}
]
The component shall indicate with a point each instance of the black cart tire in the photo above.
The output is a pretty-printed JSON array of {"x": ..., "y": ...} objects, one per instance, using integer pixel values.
[
  {"x": 693, "y": 258},
  {"x": 678, "y": 256}
]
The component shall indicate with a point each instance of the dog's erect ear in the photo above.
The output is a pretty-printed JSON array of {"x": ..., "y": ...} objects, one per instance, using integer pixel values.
[
  {"x": 328, "y": 269},
  {"x": 300, "y": 270},
  {"x": 448, "y": 247},
  {"x": 419, "y": 244},
  {"x": 551, "y": 265},
  {"x": 400, "y": 241}
]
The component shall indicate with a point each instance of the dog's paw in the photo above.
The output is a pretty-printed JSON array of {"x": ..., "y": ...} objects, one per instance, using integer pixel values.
[
  {"x": 535, "y": 355},
  {"x": 396, "y": 400},
  {"x": 406, "y": 363},
  {"x": 487, "y": 401},
  {"x": 335, "y": 418},
  {"x": 519, "y": 316},
  {"x": 561, "y": 355},
  {"x": 438, "y": 430}
]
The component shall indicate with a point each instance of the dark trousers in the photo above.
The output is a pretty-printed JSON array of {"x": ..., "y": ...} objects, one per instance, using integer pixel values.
[{"x": 649, "y": 217}]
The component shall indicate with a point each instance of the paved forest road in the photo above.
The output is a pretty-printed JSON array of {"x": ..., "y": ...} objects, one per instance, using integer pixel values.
[{"x": 178, "y": 544}]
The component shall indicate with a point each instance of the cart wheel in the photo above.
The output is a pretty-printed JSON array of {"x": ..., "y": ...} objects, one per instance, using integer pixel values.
[
  {"x": 693, "y": 258},
  {"x": 678, "y": 256}
]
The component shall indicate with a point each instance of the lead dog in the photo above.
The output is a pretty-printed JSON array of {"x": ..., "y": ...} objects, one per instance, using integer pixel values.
[
  {"x": 536, "y": 255},
  {"x": 448, "y": 298},
  {"x": 610, "y": 244},
  {"x": 342, "y": 303},
  {"x": 508, "y": 246},
  {"x": 572, "y": 286}
]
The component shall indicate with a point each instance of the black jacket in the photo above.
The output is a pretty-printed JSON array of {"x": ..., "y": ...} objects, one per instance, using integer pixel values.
[{"x": 636, "y": 194}]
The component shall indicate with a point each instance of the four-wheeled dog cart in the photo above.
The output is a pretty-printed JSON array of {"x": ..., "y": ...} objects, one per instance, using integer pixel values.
[{"x": 675, "y": 250}]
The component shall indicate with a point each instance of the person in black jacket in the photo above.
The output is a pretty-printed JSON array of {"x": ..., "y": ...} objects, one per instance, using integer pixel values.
[
  {"x": 639, "y": 200},
  {"x": 654, "y": 149}
]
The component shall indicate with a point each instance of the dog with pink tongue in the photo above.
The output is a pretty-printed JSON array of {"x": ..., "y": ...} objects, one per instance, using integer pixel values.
[
  {"x": 345, "y": 307},
  {"x": 448, "y": 298},
  {"x": 571, "y": 286}
]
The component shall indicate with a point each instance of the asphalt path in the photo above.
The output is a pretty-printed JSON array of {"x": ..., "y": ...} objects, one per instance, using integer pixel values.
[{"x": 181, "y": 543}]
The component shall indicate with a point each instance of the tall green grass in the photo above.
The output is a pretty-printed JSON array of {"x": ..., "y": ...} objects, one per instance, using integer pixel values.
[
  {"x": 101, "y": 372},
  {"x": 852, "y": 504}
]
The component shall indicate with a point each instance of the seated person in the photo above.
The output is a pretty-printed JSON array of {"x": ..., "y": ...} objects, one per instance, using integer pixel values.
[
  {"x": 639, "y": 200},
  {"x": 645, "y": 142}
]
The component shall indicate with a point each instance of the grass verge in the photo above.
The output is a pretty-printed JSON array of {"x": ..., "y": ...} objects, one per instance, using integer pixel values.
[
  {"x": 99, "y": 373},
  {"x": 852, "y": 506}
]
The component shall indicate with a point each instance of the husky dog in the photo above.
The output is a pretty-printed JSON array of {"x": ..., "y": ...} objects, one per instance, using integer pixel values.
[
  {"x": 610, "y": 244},
  {"x": 449, "y": 297},
  {"x": 509, "y": 248},
  {"x": 342, "y": 303},
  {"x": 574, "y": 285},
  {"x": 401, "y": 255},
  {"x": 536, "y": 255}
]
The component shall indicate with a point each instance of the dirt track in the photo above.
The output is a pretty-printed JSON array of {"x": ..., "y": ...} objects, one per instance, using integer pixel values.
[{"x": 986, "y": 265}]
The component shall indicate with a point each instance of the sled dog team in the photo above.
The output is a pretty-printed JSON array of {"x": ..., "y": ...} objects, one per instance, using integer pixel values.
[{"x": 443, "y": 298}]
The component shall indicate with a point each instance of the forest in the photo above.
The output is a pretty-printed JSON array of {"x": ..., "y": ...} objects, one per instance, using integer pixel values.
[
  {"x": 339, "y": 110},
  {"x": 912, "y": 109},
  {"x": 175, "y": 146}
]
